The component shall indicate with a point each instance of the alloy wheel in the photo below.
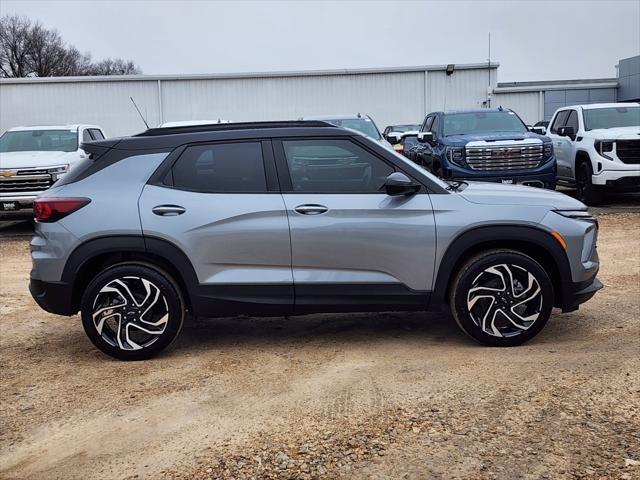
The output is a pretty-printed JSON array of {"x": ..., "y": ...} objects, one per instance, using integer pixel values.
[
  {"x": 504, "y": 300},
  {"x": 130, "y": 313}
]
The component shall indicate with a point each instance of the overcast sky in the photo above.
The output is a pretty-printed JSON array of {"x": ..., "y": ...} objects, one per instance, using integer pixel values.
[{"x": 531, "y": 40}]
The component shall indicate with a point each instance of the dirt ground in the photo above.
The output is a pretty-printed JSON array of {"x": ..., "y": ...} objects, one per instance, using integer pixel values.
[{"x": 329, "y": 396}]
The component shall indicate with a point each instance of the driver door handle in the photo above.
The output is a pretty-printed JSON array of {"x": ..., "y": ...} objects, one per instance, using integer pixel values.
[
  {"x": 311, "y": 209},
  {"x": 168, "y": 210}
]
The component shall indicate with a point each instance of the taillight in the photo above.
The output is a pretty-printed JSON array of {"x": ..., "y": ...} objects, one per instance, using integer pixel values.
[{"x": 53, "y": 209}]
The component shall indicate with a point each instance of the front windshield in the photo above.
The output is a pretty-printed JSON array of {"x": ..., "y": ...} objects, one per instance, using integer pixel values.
[
  {"x": 482, "y": 122},
  {"x": 614, "y": 117},
  {"x": 39, "y": 141},
  {"x": 363, "y": 125}
]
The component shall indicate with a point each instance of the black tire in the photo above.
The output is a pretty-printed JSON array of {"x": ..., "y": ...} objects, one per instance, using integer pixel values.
[
  {"x": 586, "y": 191},
  {"x": 161, "y": 315},
  {"x": 470, "y": 310}
]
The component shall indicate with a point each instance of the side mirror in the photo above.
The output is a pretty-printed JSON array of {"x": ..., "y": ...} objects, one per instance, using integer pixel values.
[
  {"x": 539, "y": 130},
  {"x": 399, "y": 184},
  {"x": 425, "y": 137},
  {"x": 566, "y": 132}
]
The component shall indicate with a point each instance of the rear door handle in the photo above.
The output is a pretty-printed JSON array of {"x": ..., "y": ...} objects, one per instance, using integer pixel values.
[
  {"x": 311, "y": 209},
  {"x": 168, "y": 210}
]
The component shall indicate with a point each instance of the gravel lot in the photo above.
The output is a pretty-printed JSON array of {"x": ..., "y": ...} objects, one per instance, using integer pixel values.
[{"x": 329, "y": 396}]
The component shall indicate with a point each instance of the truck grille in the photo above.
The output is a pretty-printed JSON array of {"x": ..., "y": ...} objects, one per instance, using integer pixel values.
[
  {"x": 501, "y": 157},
  {"x": 628, "y": 150},
  {"x": 25, "y": 181}
]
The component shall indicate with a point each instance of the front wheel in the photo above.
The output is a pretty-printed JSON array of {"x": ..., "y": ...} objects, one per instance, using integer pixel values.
[
  {"x": 501, "y": 298},
  {"x": 586, "y": 191},
  {"x": 132, "y": 311}
]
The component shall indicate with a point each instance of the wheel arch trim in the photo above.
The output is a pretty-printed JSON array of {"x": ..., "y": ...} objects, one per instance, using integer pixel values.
[{"x": 472, "y": 240}]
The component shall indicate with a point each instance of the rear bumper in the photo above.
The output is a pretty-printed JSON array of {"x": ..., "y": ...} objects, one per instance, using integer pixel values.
[
  {"x": 580, "y": 293},
  {"x": 54, "y": 297}
]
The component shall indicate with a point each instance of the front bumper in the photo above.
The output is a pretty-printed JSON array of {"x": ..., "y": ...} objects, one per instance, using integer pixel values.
[
  {"x": 578, "y": 293},
  {"x": 54, "y": 297},
  {"x": 16, "y": 205}
]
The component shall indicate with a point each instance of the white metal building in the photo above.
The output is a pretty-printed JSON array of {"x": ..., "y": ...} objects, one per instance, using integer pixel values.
[{"x": 392, "y": 95}]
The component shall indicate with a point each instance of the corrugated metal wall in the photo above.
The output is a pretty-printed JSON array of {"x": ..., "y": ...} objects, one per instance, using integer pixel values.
[
  {"x": 390, "y": 97},
  {"x": 526, "y": 104}
]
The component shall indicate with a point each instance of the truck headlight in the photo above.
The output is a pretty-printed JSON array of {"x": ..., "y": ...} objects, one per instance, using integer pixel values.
[
  {"x": 603, "y": 147},
  {"x": 58, "y": 172},
  {"x": 456, "y": 155},
  {"x": 547, "y": 150}
]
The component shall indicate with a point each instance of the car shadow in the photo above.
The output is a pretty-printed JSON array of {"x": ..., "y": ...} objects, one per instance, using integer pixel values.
[{"x": 351, "y": 328}]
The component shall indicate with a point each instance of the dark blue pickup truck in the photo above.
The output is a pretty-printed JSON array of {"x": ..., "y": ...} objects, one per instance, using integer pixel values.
[{"x": 490, "y": 145}]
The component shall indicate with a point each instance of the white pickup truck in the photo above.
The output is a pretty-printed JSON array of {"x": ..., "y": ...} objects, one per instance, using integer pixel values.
[
  {"x": 33, "y": 158},
  {"x": 597, "y": 148}
]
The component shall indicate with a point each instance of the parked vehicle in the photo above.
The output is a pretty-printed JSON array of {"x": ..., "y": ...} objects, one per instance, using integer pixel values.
[
  {"x": 283, "y": 218},
  {"x": 361, "y": 123},
  {"x": 543, "y": 125},
  {"x": 597, "y": 148},
  {"x": 394, "y": 132},
  {"x": 490, "y": 145},
  {"x": 34, "y": 158},
  {"x": 407, "y": 142}
]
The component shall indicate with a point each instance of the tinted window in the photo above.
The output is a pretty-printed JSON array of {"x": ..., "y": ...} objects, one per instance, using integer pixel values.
[
  {"x": 96, "y": 134},
  {"x": 434, "y": 126},
  {"x": 39, "y": 141},
  {"x": 86, "y": 136},
  {"x": 559, "y": 121},
  {"x": 409, "y": 142},
  {"x": 227, "y": 167},
  {"x": 334, "y": 166},
  {"x": 427, "y": 124},
  {"x": 572, "y": 120}
]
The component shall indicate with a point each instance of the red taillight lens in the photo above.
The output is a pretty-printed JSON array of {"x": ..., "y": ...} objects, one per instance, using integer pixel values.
[{"x": 53, "y": 209}]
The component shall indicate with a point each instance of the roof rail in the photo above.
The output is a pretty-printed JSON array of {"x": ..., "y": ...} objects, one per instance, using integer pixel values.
[{"x": 153, "y": 132}]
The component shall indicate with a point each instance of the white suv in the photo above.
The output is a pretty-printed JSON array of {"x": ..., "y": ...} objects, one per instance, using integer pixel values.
[
  {"x": 597, "y": 146},
  {"x": 33, "y": 158}
]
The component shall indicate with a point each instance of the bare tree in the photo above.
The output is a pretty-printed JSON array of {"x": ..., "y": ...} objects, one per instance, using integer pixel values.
[
  {"x": 29, "y": 49},
  {"x": 14, "y": 46},
  {"x": 114, "y": 66}
]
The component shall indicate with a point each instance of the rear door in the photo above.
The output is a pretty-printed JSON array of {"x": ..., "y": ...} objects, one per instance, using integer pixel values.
[
  {"x": 219, "y": 203},
  {"x": 351, "y": 243}
]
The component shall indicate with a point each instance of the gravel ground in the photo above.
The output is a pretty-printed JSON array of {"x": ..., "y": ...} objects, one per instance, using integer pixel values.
[{"x": 328, "y": 396}]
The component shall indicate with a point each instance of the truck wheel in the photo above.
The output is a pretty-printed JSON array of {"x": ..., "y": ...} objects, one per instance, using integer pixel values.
[
  {"x": 586, "y": 191},
  {"x": 501, "y": 298},
  {"x": 132, "y": 311}
]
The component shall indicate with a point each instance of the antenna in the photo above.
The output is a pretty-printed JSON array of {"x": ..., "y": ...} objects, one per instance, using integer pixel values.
[
  {"x": 139, "y": 113},
  {"x": 489, "y": 72}
]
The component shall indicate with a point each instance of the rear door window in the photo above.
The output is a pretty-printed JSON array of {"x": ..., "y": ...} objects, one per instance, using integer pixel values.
[{"x": 219, "y": 168}]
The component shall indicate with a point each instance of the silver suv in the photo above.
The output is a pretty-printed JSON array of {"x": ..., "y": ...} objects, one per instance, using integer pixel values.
[{"x": 293, "y": 218}]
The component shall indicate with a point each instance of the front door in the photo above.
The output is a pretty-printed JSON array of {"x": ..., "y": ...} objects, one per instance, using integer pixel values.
[{"x": 351, "y": 243}]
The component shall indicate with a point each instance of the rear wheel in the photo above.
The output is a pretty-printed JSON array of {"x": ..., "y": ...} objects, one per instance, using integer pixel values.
[
  {"x": 132, "y": 311},
  {"x": 586, "y": 191},
  {"x": 501, "y": 298}
]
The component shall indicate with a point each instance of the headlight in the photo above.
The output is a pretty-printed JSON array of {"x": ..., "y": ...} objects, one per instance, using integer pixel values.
[
  {"x": 603, "y": 147},
  {"x": 578, "y": 215},
  {"x": 456, "y": 155},
  {"x": 547, "y": 150},
  {"x": 58, "y": 172}
]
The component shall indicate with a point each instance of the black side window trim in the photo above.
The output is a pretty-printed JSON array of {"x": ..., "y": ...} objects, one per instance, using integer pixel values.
[
  {"x": 282, "y": 166},
  {"x": 163, "y": 176}
]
